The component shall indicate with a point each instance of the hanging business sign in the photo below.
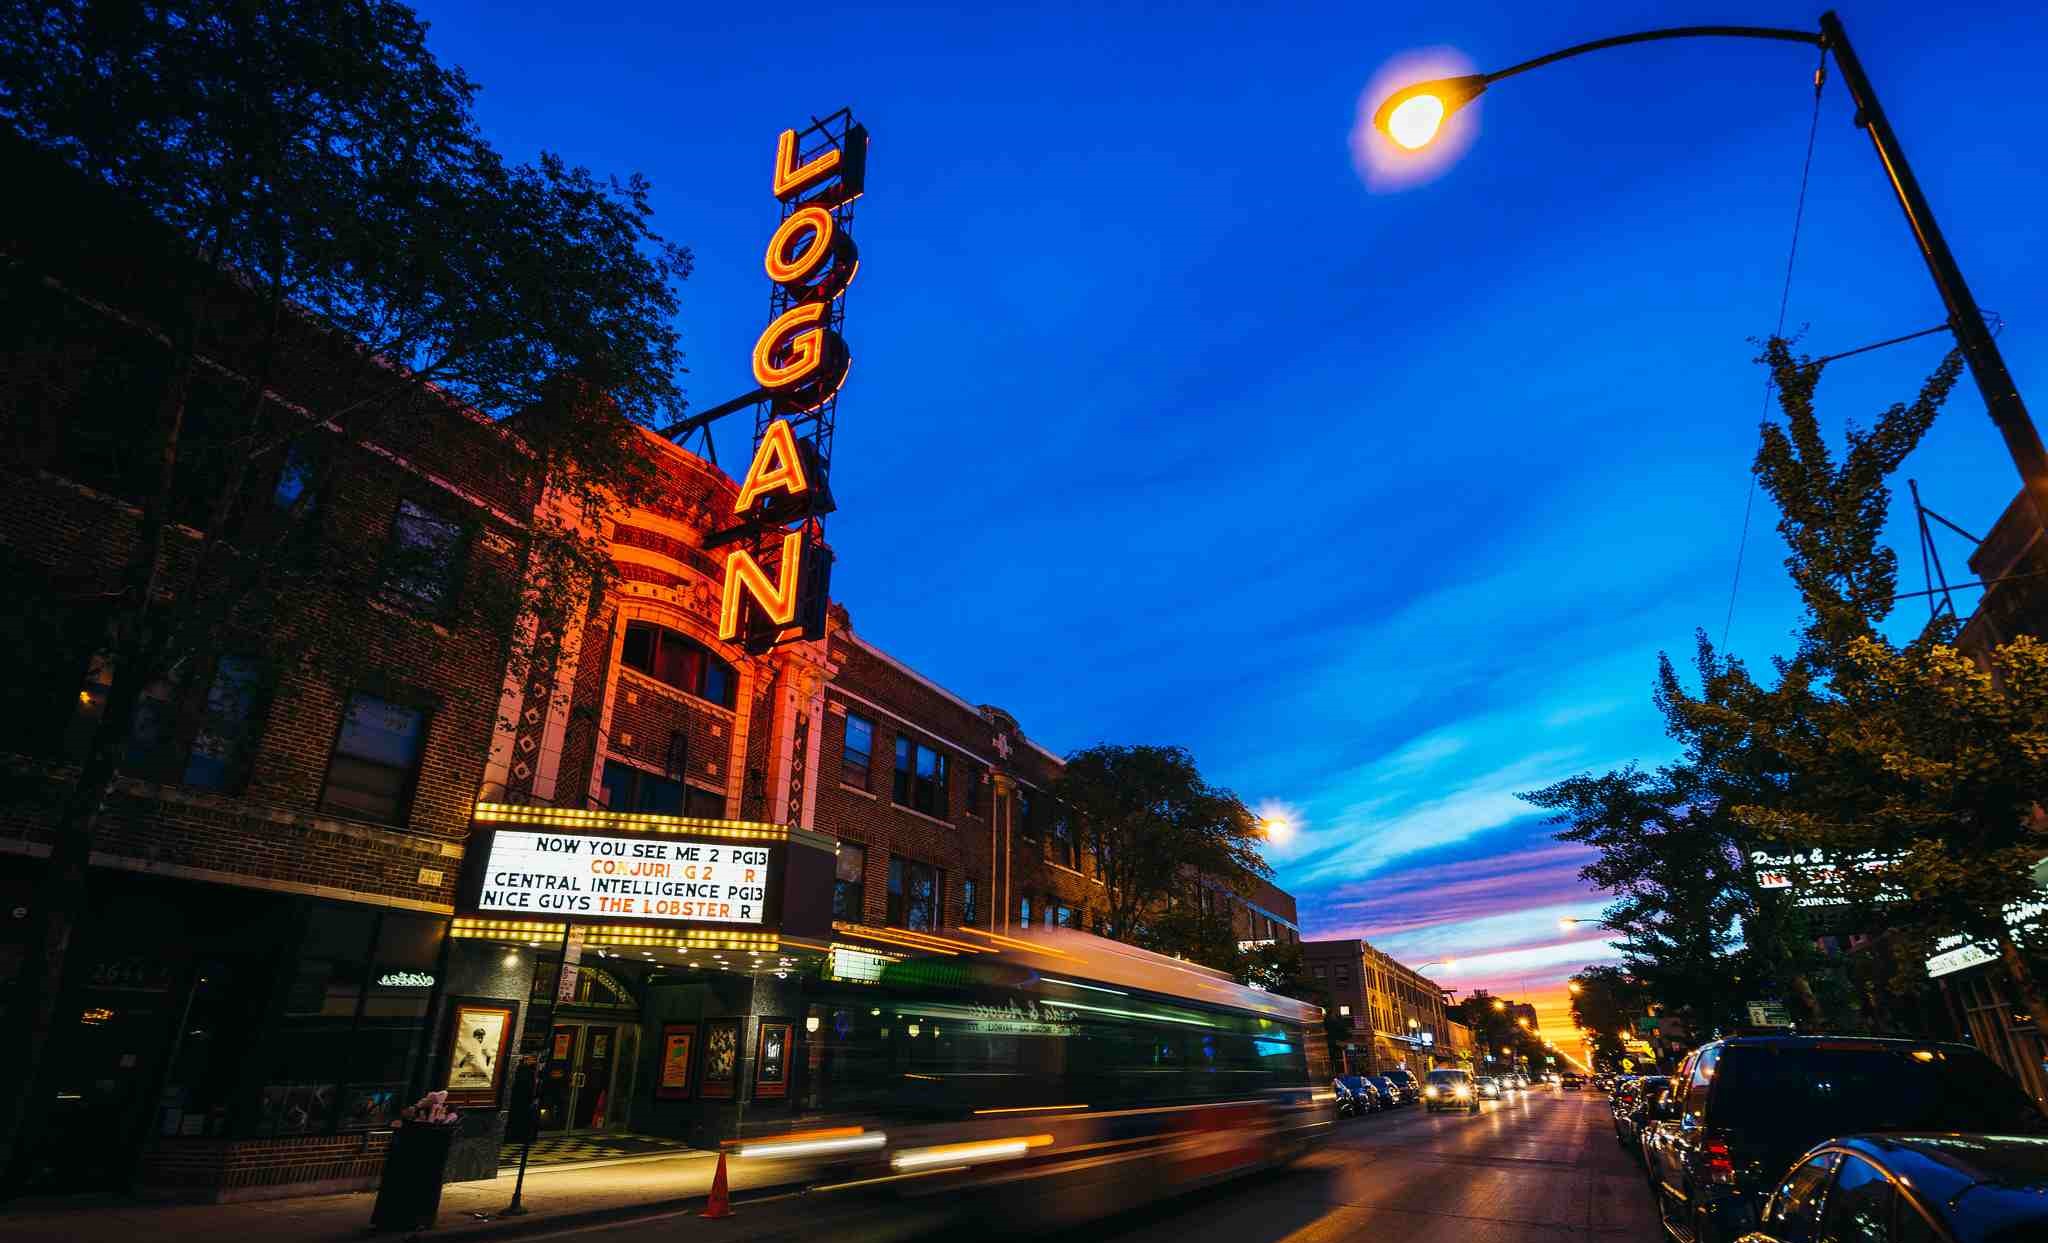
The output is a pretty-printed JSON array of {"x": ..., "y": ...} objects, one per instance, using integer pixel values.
[
  {"x": 778, "y": 576},
  {"x": 599, "y": 878}
]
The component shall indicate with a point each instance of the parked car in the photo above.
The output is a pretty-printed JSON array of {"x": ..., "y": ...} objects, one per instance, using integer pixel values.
[
  {"x": 1913, "y": 1189},
  {"x": 1450, "y": 1089},
  {"x": 1406, "y": 1082},
  {"x": 1488, "y": 1088},
  {"x": 1356, "y": 1096},
  {"x": 1389, "y": 1091},
  {"x": 1570, "y": 1082},
  {"x": 1744, "y": 1108},
  {"x": 1640, "y": 1109}
]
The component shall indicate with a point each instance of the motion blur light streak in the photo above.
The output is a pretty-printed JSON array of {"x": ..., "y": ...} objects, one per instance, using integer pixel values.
[{"x": 969, "y": 1153}]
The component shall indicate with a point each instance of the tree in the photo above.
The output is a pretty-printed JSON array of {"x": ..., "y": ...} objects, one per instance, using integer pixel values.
[
  {"x": 328, "y": 201},
  {"x": 1912, "y": 773},
  {"x": 1826, "y": 756},
  {"x": 1675, "y": 874},
  {"x": 1152, "y": 823},
  {"x": 1606, "y": 1001}
]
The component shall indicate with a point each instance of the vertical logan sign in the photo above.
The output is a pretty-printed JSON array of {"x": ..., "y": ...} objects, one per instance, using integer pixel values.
[{"x": 778, "y": 574}]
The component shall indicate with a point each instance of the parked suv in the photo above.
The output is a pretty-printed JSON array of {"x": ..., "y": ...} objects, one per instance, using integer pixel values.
[
  {"x": 1406, "y": 1082},
  {"x": 1741, "y": 1110}
]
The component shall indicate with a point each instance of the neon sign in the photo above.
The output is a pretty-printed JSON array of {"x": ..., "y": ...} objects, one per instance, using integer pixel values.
[{"x": 777, "y": 578}]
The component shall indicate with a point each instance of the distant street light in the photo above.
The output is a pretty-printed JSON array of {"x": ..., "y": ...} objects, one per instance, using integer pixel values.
[
  {"x": 1446, "y": 964},
  {"x": 1570, "y": 922},
  {"x": 1498, "y": 1004},
  {"x": 1413, "y": 117},
  {"x": 1574, "y": 988}
]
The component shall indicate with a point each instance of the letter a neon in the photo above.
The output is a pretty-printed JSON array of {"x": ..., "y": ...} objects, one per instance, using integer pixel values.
[
  {"x": 775, "y": 599},
  {"x": 777, "y": 467}
]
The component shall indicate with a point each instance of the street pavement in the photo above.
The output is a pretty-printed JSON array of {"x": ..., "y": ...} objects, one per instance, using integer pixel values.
[
  {"x": 1542, "y": 1167},
  {"x": 1539, "y": 1168}
]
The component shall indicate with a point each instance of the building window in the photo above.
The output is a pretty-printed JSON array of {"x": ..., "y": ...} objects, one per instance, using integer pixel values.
[
  {"x": 681, "y": 662},
  {"x": 920, "y": 778},
  {"x": 1344, "y": 1012},
  {"x": 1027, "y": 815},
  {"x": 1062, "y": 840},
  {"x": 1023, "y": 912},
  {"x": 977, "y": 784},
  {"x": 214, "y": 762},
  {"x": 376, "y": 759},
  {"x": 1060, "y": 916},
  {"x": 626, "y": 788},
  {"x": 970, "y": 906},
  {"x": 424, "y": 561},
  {"x": 914, "y": 890},
  {"x": 850, "y": 883},
  {"x": 857, "y": 750}
]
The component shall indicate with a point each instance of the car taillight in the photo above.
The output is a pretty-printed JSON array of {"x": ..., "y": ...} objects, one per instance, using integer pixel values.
[{"x": 1720, "y": 1165}]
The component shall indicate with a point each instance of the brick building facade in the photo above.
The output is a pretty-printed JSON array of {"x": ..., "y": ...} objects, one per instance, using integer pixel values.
[
  {"x": 1396, "y": 1014},
  {"x": 276, "y": 960}
]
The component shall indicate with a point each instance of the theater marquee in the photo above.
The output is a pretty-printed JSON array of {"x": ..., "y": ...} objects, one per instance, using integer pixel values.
[{"x": 597, "y": 877}]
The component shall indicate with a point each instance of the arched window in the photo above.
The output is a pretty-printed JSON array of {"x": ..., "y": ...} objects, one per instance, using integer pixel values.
[{"x": 683, "y": 663}]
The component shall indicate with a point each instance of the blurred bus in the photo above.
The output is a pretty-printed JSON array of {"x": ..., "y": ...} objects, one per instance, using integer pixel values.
[{"x": 1049, "y": 1077}]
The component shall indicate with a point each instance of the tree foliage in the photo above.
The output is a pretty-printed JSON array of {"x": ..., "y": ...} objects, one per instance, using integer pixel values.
[
  {"x": 331, "y": 215},
  {"x": 1906, "y": 778},
  {"x": 1154, "y": 826}
]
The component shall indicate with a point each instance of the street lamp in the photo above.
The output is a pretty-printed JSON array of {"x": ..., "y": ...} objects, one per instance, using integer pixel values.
[
  {"x": 1446, "y": 964},
  {"x": 1570, "y": 922},
  {"x": 1413, "y": 116}
]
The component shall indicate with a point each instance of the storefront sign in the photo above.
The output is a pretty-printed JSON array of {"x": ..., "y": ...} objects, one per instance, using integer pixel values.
[
  {"x": 592, "y": 877},
  {"x": 856, "y": 966},
  {"x": 1959, "y": 953},
  {"x": 405, "y": 979}
]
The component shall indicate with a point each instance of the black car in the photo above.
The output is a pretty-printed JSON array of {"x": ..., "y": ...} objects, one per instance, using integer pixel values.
[
  {"x": 1406, "y": 1082},
  {"x": 1742, "y": 1109},
  {"x": 1631, "y": 1116},
  {"x": 1913, "y": 1189},
  {"x": 1569, "y": 1082},
  {"x": 1356, "y": 1096},
  {"x": 1390, "y": 1091}
]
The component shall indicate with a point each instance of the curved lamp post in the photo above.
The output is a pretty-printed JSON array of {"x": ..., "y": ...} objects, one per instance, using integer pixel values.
[
  {"x": 1570, "y": 922},
  {"x": 1413, "y": 116}
]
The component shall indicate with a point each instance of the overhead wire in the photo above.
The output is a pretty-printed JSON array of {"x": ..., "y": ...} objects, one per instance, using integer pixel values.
[{"x": 1820, "y": 78}]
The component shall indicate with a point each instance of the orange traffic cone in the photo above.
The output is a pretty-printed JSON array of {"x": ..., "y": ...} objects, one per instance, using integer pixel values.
[{"x": 720, "y": 1204}]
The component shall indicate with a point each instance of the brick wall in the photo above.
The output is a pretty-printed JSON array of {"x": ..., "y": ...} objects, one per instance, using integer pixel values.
[{"x": 221, "y": 1170}]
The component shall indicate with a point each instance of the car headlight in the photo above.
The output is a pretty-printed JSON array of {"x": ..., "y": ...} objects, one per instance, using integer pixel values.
[
  {"x": 1430, "y": 1090},
  {"x": 1462, "y": 1091}
]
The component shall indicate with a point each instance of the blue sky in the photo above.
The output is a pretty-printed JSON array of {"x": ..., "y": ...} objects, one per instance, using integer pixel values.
[{"x": 1163, "y": 426}]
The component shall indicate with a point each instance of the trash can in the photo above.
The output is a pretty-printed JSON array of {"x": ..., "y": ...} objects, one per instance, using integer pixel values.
[{"x": 410, "y": 1194}]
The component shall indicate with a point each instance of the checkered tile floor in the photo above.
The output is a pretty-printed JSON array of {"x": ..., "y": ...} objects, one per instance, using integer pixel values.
[{"x": 563, "y": 1149}]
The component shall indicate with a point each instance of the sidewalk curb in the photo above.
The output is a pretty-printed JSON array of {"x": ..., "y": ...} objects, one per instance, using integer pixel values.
[{"x": 543, "y": 1223}]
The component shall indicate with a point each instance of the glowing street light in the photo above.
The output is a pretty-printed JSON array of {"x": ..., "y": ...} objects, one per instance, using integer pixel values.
[
  {"x": 1570, "y": 922},
  {"x": 1413, "y": 117},
  {"x": 1574, "y": 988},
  {"x": 1446, "y": 964}
]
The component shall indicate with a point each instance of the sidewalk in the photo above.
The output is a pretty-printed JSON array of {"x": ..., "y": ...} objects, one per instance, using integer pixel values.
[{"x": 555, "y": 1199}]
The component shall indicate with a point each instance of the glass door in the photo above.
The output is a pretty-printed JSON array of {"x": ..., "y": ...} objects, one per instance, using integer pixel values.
[
  {"x": 593, "y": 1100},
  {"x": 558, "y": 1090}
]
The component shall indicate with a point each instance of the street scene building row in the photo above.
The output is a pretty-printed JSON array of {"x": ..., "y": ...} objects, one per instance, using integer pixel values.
[{"x": 289, "y": 936}]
